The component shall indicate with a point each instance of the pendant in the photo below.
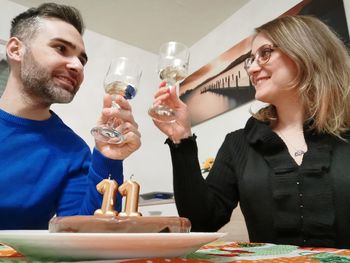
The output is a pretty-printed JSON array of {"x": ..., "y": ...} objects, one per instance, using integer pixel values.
[{"x": 299, "y": 153}]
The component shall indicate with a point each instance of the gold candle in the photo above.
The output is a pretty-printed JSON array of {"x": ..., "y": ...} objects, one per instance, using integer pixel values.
[
  {"x": 108, "y": 188},
  {"x": 130, "y": 189}
]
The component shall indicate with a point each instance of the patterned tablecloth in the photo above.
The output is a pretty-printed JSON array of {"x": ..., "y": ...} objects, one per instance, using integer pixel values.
[{"x": 232, "y": 252}]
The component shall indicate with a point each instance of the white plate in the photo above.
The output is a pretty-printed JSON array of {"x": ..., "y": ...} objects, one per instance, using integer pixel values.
[{"x": 97, "y": 246}]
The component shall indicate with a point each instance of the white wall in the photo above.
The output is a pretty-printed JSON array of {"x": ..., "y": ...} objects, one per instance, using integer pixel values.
[
  {"x": 151, "y": 165},
  {"x": 83, "y": 112}
]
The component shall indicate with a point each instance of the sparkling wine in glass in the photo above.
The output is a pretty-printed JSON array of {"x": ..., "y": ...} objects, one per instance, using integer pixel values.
[
  {"x": 122, "y": 78},
  {"x": 172, "y": 66}
]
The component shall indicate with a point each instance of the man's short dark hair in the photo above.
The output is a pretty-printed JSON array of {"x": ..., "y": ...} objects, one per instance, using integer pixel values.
[{"x": 26, "y": 24}]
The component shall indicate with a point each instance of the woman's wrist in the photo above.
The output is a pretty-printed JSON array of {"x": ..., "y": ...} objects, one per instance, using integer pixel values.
[
  {"x": 182, "y": 137},
  {"x": 177, "y": 142}
]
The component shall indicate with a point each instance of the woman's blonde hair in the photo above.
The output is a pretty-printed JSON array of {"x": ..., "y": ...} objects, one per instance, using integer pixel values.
[{"x": 323, "y": 66}]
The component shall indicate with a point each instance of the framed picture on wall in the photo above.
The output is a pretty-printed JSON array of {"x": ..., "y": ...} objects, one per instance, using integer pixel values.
[
  {"x": 223, "y": 85},
  {"x": 4, "y": 68}
]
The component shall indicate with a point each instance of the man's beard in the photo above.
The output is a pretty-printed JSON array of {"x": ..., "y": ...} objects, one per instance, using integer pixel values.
[{"x": 38, "y": 83}]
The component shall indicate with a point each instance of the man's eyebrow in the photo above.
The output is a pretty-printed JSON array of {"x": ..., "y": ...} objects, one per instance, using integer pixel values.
[{"x": 70, "y": 44}]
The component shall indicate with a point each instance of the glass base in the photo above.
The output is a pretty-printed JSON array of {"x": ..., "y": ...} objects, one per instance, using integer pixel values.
[
  {"x": 108, "y": 135},
  {"x": 162, "y": 113}
]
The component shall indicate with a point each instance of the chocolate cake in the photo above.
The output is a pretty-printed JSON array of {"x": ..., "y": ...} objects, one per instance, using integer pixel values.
[{"x": 119, "y": 224}]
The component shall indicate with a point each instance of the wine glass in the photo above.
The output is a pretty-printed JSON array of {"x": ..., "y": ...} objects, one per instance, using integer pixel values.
[
  {"x": 122, "y": 78},
  {"x": 172, "y": 66}
]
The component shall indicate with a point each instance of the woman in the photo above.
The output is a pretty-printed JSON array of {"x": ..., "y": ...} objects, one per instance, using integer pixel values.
[{"x": 289, "y": 167}]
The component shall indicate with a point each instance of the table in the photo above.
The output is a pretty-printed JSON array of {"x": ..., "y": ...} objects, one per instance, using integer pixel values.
[{"x": 239, "y": 252}]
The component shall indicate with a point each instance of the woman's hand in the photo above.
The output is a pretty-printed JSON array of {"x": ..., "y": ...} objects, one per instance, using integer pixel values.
[{"x": 181, "y": 128}]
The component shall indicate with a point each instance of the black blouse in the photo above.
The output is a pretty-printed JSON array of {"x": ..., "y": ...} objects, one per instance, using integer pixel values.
[{"x": 307, "y": 205}]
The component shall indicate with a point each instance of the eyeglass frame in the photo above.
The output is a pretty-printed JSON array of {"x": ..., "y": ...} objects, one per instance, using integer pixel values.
[{"x": 258, "y": 55}]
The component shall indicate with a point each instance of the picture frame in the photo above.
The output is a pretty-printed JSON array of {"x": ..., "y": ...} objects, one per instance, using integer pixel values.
[{"x": 4, "y": 67}]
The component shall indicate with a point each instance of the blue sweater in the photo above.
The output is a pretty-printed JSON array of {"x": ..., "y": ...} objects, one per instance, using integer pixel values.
[{"x": 47, "y": 169}]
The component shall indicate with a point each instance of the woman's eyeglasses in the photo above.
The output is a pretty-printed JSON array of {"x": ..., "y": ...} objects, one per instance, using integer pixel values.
[{"x": 262, "y": 56}]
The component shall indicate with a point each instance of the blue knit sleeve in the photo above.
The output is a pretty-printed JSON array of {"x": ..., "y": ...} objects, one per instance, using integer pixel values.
[
  {"x": 101, "y": 168},
  {"x": 79, "y": 194}
]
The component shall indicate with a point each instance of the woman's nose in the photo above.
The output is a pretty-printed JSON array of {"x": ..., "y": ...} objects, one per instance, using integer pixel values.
[{"x": 254, "y": 67}]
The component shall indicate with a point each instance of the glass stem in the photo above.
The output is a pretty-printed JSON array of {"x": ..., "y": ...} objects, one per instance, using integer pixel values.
[{"x": 112, "y": 122}]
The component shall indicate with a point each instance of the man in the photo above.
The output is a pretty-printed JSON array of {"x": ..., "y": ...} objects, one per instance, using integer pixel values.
[{"x": 47, "y": 169}]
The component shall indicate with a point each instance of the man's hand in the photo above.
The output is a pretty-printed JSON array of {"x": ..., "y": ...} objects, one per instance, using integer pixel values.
[{"x": 124, "y": 119}]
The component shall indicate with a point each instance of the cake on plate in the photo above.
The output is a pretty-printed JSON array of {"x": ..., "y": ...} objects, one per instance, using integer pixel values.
[{"x": 108, "y": 220}]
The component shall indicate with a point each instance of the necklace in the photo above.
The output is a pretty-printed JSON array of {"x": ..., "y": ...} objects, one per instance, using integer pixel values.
[{"x": 297, "y": 152}]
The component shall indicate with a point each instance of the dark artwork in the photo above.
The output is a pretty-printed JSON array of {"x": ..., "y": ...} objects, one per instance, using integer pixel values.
[
  {"x": 4, "y": 72},
  {"x": 223, "y": 84},
  {"x": 332, "y": 13}
]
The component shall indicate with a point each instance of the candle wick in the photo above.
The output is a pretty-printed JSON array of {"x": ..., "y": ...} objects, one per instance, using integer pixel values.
[
  {"x": 109, "y": 177},
  {"x": 131, "y": 176}
]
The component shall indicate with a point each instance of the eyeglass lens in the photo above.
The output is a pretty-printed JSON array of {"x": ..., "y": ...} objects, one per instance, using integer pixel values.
[{"x": 262, "y": 56}]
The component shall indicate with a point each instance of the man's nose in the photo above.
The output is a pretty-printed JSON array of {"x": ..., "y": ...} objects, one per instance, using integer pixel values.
[{"x": 75, "y": 64}]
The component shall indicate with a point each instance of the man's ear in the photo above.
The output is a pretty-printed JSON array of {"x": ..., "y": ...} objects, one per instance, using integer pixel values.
[{"x": 15, "y": 49}]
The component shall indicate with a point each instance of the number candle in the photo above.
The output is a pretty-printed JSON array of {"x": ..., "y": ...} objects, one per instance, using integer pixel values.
[
  {"x": 108, "y": 188},
  {"x": 130, "y": 189}
]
